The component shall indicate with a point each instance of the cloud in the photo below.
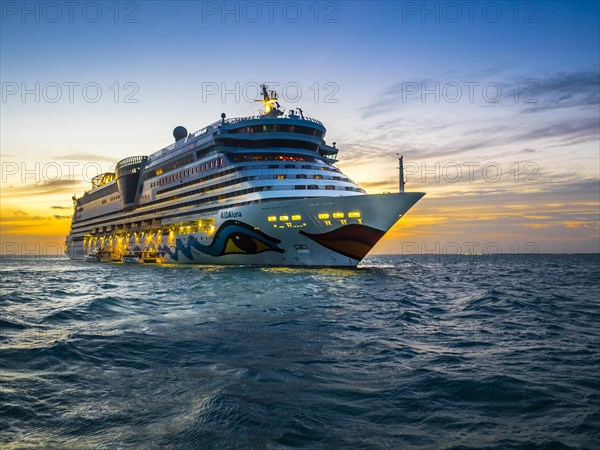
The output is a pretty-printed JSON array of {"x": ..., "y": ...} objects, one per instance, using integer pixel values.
[
  {"x": 43, "y": 188},
  {"x": 386, "y": 183},
  {"x": 473, "y": 138},
  {"x": 569, "y": 132},
  {"x": 90, "y": 157},
  {"x": 60, "y": 207},
  {"x": 21, "y": 222},
  {"x": 20, "y": 215},
  {"x": 395, "y": 95},
  {"x": 565, "y": 90},
  {"x": 554, "y": 91}
]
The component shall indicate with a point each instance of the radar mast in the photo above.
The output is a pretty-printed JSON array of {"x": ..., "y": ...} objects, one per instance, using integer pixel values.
[{"x": 269, "y": 100}]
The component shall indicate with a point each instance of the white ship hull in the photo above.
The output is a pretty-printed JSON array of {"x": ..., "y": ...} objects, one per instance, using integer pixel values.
[{"x": 318, "y": 231}]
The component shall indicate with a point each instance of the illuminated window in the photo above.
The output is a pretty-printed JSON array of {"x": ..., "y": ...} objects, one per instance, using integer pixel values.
[
  {"x": 324, "y": 216},
  {"x": 271, "y": 218},
  {"x": 338, "y": 215},
  {"x": 297, "y": 217},
  {"x": 284, "y": 218},
  {"x": 280, "y": 176},
  {"x": 317, "y": 177},
  {"x": 159, "y": 171},
  {"x": 354, "y": 214}
]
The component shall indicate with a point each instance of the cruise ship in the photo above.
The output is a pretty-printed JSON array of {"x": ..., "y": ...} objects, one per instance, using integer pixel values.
[{"x": 261, "y": 190}]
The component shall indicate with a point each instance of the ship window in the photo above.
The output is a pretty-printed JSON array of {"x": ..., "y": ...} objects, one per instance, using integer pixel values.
[
  {"x": 272, "y": 218},
  {"x": 323, "y": 216},
  {"x": 330, "y": 187},
  {"x": 270, "y": 143},
  {"x": 301, "y": 175},
  {"x": 338, "y": 215},
  {"x": 300, "y": 186},
  {"x": 279, "y": 128},
  {"x": 313, "y": 186},
  {"x": 272, "y": 157},
  {"x": 297, "y": 217},
  {"x": 284, "y": 218},
  {"x": 317, "y": 177},
  {"x": 280, "y": 176}
]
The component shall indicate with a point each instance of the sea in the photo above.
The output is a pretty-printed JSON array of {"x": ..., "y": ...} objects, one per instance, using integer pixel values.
[{"x": 403, "y": 352}]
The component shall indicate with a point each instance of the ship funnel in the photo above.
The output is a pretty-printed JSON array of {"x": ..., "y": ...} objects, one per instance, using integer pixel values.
[{"x": 127, "y": 172}]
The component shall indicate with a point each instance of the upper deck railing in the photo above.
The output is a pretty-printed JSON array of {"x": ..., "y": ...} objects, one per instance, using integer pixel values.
[
  {"x": 214, "y": 126},
  {"x": 242, "y": 119}
]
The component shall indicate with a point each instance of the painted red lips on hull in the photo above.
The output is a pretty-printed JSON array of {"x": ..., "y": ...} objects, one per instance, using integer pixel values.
[{"x": 353, "y": 241}]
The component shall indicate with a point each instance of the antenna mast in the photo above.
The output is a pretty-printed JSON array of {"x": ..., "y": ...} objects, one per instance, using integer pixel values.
[{"x": 401, "y": 172}]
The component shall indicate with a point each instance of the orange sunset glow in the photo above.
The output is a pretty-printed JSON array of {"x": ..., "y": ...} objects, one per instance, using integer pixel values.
[{"x": 506, "y": 148}]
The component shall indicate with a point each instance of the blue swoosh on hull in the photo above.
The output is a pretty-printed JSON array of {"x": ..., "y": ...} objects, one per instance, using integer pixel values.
[{"x": 232, "y": 237}]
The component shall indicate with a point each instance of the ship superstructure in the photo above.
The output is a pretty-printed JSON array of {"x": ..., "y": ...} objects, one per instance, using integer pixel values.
[{"x": 259, "y": 190}]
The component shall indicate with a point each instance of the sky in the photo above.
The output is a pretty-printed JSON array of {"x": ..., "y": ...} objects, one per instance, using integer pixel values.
[{"x": 494, "y": 105}]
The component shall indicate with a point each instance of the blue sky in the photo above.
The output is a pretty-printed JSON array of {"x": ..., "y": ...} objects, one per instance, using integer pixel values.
[{"x": 368, "y": 57}]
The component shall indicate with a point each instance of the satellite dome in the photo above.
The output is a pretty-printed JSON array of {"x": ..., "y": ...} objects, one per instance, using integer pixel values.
[{"x": 180, "y": 133}]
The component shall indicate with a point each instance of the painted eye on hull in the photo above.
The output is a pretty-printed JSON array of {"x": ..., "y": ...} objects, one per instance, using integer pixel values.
[{"x": 243, "y": 243}]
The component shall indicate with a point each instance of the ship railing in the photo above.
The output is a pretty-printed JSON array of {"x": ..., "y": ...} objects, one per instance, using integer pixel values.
[
  {"x": 207, "y": 128},
  {"x": 210, "y": 128},
  {"x": 159, "y": 154},
  {"x": 234, "y": 120}
]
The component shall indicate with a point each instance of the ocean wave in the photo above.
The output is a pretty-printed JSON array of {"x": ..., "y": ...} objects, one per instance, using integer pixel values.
[{"x": 407, "y": 351}]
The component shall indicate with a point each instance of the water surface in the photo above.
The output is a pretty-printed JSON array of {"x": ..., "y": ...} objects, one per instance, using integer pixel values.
[{"x": 403, "y": 352}]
